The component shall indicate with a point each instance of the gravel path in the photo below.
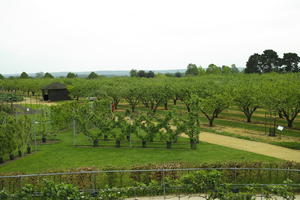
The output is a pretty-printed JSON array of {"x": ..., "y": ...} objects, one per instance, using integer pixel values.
[{"x": 252, "y": 146}]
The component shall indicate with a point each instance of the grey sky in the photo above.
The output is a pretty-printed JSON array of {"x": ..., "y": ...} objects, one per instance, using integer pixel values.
[{"x": 85, "y": 35}]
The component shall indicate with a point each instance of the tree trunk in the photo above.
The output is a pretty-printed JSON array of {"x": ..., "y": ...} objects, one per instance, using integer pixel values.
[
  {"x": 118, "y": 143},
  {"x": 166, "y": 105},
  {"x": 95, "y": 143},
  {"x": 248, "y": 118},
  {"x": 105, "y": 137},
  {"x": 272, "y": 132},
  {"x": 193, "y": 144},
  {"x": 44, "y": 139},
  {"x": 188, "y": 108},
  {"x": 29, "y": 149},
  {"x": 1, "y": 160},
  {"x": 169, "y": 145},
  {"x": 211, "y": 122},
  {"x": 11, "y": 156},
  {"x": 154, "y": 109},
  {"x": 128, "y": 137},
  {"x": 20, "y": 153},
  {"x": 175, "y": 101},
  {"x": 280, "y": 114},
  {"x": 290, "y": 123},
  {"x": 144, "y": 144},
  {"x": 132, "y": 108}
]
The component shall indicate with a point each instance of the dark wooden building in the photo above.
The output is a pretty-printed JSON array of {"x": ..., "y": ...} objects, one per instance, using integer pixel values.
[{"x": 55, "y": 92}]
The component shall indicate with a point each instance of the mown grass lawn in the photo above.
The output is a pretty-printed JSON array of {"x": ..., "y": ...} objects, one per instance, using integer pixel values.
[{"x": 62, "y": 156}]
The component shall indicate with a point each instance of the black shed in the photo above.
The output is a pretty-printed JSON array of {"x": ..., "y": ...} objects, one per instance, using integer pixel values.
[{"x": 55, "y": 92}]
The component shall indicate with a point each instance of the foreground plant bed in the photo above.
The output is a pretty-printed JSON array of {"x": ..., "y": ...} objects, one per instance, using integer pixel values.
[
  {"x": 210, "y": 184},
  {"x": 91, "y": 178}
]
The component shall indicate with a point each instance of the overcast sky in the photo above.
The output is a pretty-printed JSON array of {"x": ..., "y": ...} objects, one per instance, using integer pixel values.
[{"x": 87, "y": 35}]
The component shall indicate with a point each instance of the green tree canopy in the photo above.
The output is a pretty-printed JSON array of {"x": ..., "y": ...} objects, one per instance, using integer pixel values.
[
  {"x": 133, "y": 73},
  {"x": 201, "y": 71},
  {"x": 48, "y": 75},
  {"x": 226, "y": 69},
  {"x": 247, "y": 96},
  {"x": 290, "y": 62},
  {"x": 213, "y": 69},
  {"x": 192, "y": 70},
  {"x": 92, "y": 75},
  {"x": 71, "y": 75},
  {"x": 252, "y": 64},
  {"x": 269, "y": 61},
  {"x": 234, "y": 69},
  {"x": 24, "y": 75}
]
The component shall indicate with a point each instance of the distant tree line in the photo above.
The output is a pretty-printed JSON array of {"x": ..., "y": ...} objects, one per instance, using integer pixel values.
[
  {"x": 48, "y": 75},
  {"x": 269, "y": 61},
  {"x": 142, "y": 73},
  {"x": 193, "y": 70}
]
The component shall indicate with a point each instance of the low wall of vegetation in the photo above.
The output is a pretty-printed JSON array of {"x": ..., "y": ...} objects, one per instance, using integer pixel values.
[
  {"x": 210, "y": 184},
  {"x": 91, "y": 178}
]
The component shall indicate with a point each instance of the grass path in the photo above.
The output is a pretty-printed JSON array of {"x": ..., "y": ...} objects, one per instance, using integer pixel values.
[{"x": 251, "y": 146}]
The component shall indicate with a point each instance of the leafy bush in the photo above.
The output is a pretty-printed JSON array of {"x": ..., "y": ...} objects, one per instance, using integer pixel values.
[
  {"x": 209, "y": 184},
  {"x": 10, "y": 97}
]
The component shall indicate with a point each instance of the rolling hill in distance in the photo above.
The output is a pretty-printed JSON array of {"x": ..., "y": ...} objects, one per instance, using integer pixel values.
[{"x": 103, "y": 73}]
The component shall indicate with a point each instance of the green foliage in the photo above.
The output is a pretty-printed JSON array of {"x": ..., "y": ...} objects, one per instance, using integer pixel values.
[
  {"x": 127, "y": 125},
  {"x": 133, "y": 73},
  {"x": 49, "y": 191},
  {"x": 248, "y": 97},
  {"x": 24, "y": 133},
  {"x": 15, "y": 134},
  {"x": 146, "y": 128},
  {"x": 168, "y": 132},
  {"x": 48, "y": 75},
  {"x": 213, "y": 69},
  {"x": 201, "y": 181},
  {"x": 61, "y": 192},
  {"x": 283, "y": 98},
  {"x": 95, "y": 119},
  {"x": 71, "y": 75},
  {"x": 132, "y": 95},
  {"x": 211, "y": 101},
  {"x": 209, "y": 184},
  {"x": 269, "y": 61},
  {"x": 153, "y": 96},
  {"x": 111, "y": 194},
  {"x": 10, "y": 97},
  {"x": 190, "y": 125},
  {"x": 290, "y": 62},
  {"x": 192, "y": 70},
  {"x": 92, "y": 75},
  {"x": 24, "y": 75}
]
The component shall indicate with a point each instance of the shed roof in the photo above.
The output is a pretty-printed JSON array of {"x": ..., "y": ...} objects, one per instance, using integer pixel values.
[{"x": 54, "y": 86}]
